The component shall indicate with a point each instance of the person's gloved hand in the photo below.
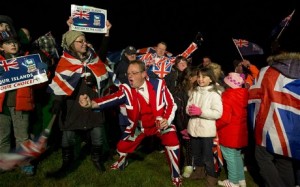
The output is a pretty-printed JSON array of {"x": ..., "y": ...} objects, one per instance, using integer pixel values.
[
  {"x": 56, "y": 105},
  {"x": 198, "y": 39},
  {"x": 185, "y": 134},
  {"x": 194, "y": 110}
]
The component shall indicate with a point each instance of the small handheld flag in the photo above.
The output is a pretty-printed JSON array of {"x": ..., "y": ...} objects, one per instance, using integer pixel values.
[
  {"x": 28, "y": 150},
  {"x": 246, "y": 48}
]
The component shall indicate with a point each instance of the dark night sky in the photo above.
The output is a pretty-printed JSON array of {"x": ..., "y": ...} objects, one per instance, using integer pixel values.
[{"x": 145, "y": 23}]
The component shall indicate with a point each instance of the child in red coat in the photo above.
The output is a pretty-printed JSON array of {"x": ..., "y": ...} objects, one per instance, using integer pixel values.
[{"x": 232, "y": 129}]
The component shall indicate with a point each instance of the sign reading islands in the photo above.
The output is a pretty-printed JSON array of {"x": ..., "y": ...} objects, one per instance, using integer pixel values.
[
  {"x": 88, "y": 19},
  {"x": 21, "y": 72}
]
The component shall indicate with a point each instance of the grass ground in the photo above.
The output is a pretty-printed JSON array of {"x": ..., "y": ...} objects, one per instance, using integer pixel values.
[{"x": 144, "y": 170}]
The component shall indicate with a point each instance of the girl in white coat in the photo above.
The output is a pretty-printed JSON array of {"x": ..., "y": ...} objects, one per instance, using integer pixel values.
[{"x": 205, "y": 107}]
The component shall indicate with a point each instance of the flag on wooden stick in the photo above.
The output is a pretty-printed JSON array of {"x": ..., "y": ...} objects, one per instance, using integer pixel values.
[
  {"x": 246, "y": 48},
  {"x": 283, "y": 24}
]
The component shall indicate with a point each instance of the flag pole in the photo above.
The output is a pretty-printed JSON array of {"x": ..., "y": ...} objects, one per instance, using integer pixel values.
[
  {"x": 286, "y": 23},
  {"x": 238, "y": 49},
  {"x": 50, "y": 124}
]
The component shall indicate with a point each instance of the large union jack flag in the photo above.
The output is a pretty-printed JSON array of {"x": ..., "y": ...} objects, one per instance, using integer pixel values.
[
  {"x": 162, "y": 68},
  {"x": 274, "y": 109},
  {"x": 9, "y": 64},
  {"x": 81, "y": 14},
  {"x": 69, "y": 70}
]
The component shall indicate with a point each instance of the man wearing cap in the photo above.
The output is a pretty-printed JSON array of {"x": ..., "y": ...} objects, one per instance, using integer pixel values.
[{"x": 128, "y": 55}]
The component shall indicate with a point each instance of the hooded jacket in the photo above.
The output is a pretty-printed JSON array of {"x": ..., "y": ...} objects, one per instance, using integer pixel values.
[
  {"x": 287, "y": 64},
  {"x": 210, "y": 103},
  {"x": 274, "y": 105}
]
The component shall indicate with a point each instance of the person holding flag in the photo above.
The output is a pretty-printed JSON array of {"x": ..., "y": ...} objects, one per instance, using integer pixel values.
[
  {"x": 250, "y": 71},
  {"x": 79, "y": 70},
  {"x": 243, "y": 66},
  {"x": 159, "y": 64}
]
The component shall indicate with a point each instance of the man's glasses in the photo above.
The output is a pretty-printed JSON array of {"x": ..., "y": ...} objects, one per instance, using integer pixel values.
[{"x": 132, "y": 73}]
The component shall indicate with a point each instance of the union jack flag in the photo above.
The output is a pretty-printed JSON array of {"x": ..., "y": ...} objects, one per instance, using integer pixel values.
[
  {"x": 241, "y": 43},
  {"x": 9, "y": 64},
  {"x": 217, "y": 153},
  {"x": 81, "y": 14},
  {"x": 162, "y": 68},
  {"x": 247, "y": 48},
  {"x": 274, "y": 110},
  {"x": 27, "y": 151},
  {"x": 69, "y": 70}
]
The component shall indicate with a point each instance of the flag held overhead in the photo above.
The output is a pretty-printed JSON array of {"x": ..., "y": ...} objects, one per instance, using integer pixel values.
[
  {"x": 283, "y": 24},
  {"x": 246, "y": 48}
]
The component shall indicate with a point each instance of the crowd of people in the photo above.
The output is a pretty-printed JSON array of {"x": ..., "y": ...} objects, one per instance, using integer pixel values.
[{"x": 200, "y": 114}]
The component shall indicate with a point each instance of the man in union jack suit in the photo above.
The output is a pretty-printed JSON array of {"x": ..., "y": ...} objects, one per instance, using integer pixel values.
[
  {"x": 274, "y": 103},
  {"x": 150, "y": 108}
]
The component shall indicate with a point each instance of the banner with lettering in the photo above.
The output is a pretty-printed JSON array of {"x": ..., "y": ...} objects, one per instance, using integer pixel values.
[
  {"x": 21, "y": 72},
  {"x": 88, "y": 19}
]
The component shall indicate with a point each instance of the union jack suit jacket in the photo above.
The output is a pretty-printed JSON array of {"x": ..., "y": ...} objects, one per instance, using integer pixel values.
[{"x": 160, "y": 98}]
